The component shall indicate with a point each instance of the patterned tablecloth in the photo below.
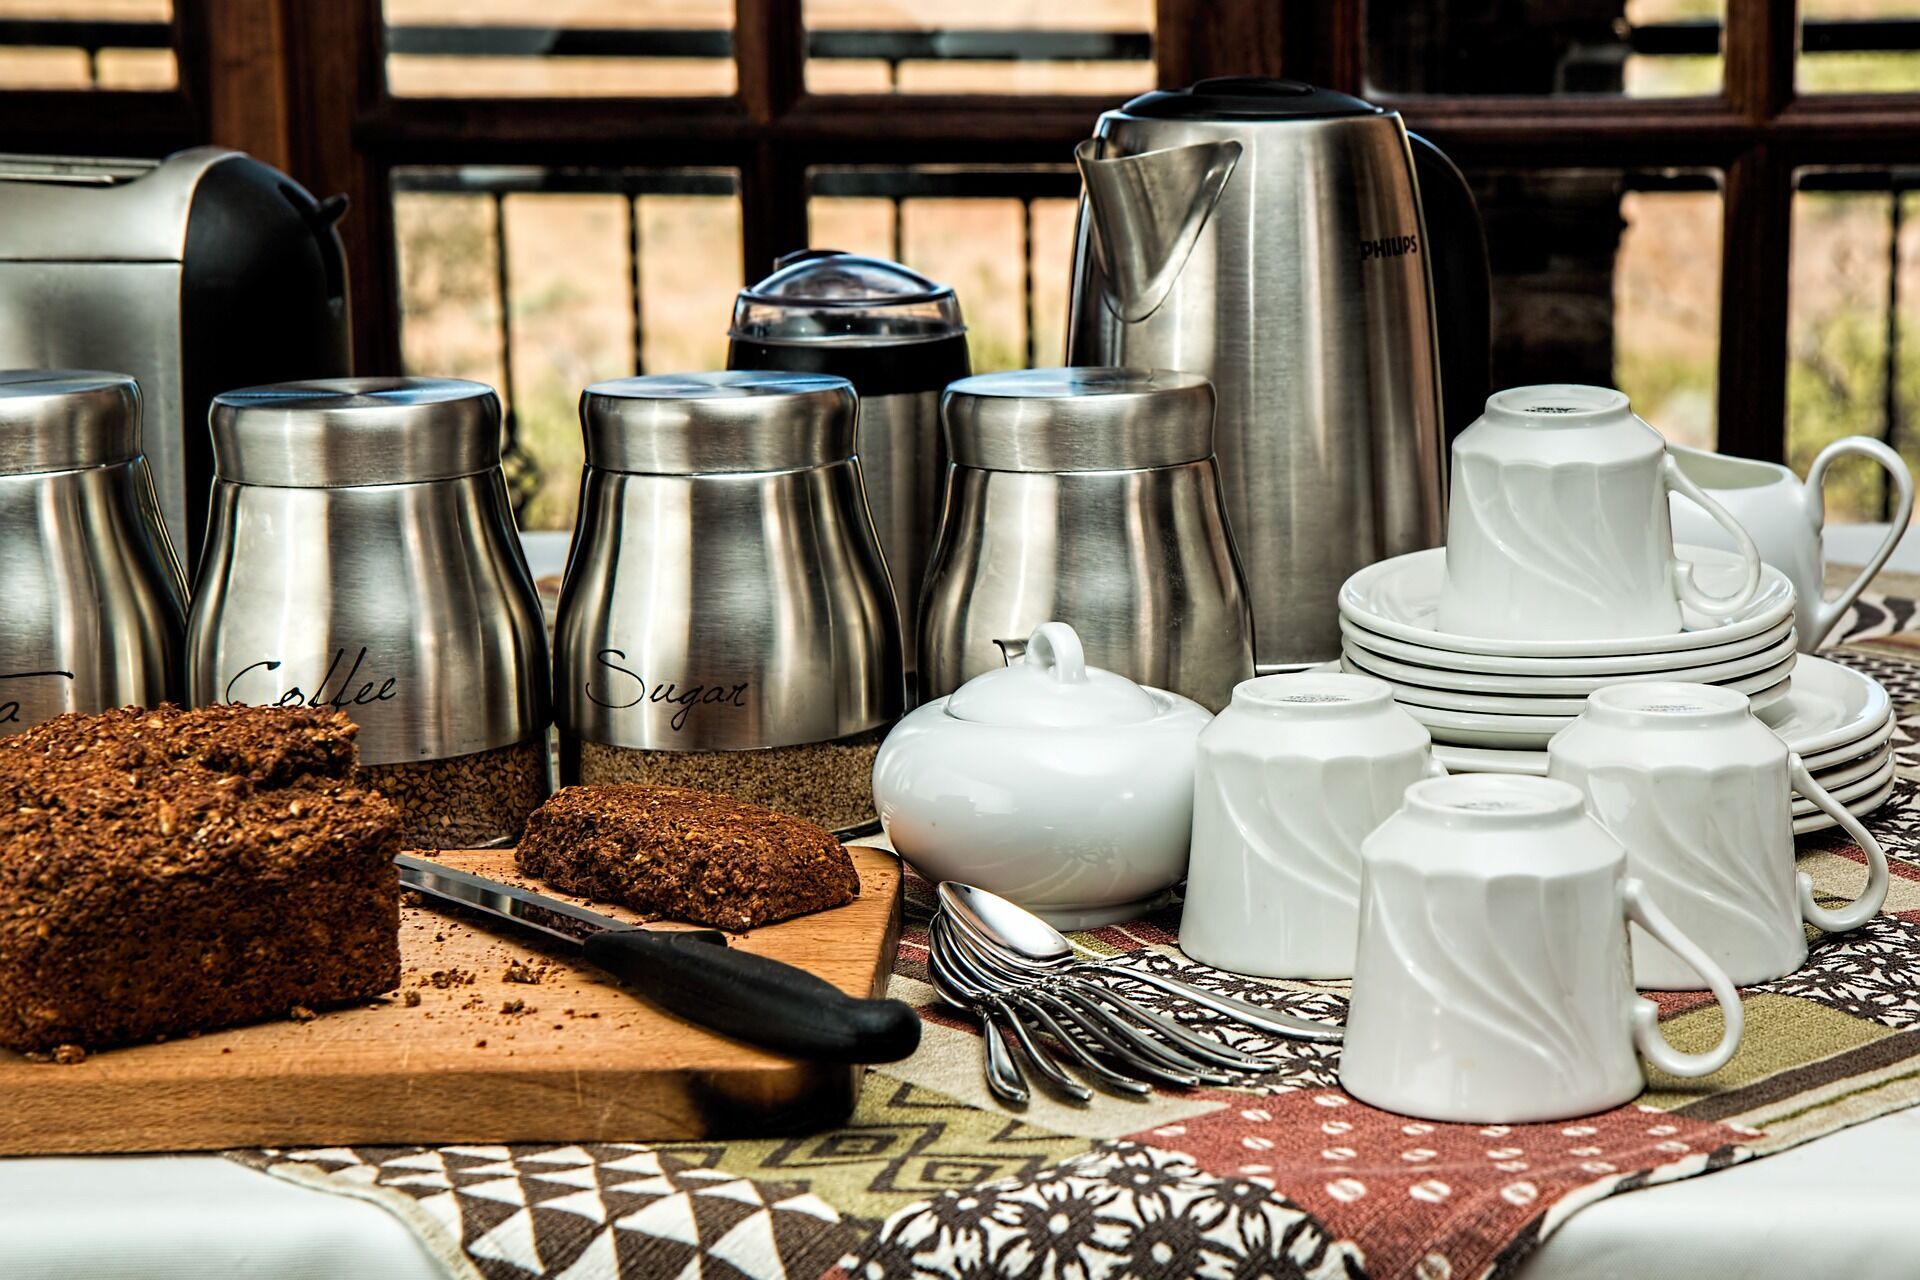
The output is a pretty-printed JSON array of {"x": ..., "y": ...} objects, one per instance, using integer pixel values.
[{"x": 1289, "y": 1177}]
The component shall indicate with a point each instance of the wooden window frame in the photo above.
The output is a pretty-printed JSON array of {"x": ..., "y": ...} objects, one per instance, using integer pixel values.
[{"x": 302, "y": 84}]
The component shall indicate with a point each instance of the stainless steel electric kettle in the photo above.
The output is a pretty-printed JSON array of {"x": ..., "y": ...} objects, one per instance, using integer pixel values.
[{"x": 1324, "y": 268}]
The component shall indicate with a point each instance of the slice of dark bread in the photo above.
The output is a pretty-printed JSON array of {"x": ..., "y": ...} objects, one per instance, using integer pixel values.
[{"x": 685, "y": 854}]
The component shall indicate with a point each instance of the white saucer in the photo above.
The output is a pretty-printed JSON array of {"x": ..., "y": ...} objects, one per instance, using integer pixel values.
[
  {"x": 1397, "y": 598},
  {"x": 1854, "y": 771},
  {"x": 1649, "y": 665},
  {"x": 1449, "y": 677},
  {"x": 1817, "y": 821},
  {"x": 1830, "y": 706},
  {"x": 1536, "y": 704},
  {"x": 1530, "y": 733},
  {"x": 1849, "y": 792}
]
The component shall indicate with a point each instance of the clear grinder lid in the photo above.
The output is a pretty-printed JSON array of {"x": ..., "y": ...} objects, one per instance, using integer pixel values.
[{"x": 826, "y": 296}]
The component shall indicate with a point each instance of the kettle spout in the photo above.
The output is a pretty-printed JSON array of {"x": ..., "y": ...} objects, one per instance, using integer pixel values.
[{"x": 1147, "y": 213}]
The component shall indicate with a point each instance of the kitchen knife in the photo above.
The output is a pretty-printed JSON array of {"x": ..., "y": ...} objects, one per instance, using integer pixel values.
[{"x": 694, "y": 974}]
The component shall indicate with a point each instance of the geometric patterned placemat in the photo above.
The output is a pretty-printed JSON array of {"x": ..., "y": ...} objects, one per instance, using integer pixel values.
[{"x": 1290, "y": 1177}]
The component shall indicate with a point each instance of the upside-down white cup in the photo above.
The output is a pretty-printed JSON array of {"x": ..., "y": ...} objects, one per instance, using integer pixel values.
[
  {"x": 1290, "y": 778},
  {"x": 1701, "y": 795},
  {"x": 1558, "y": 525},
  {"x": 1491, "y": 984}
]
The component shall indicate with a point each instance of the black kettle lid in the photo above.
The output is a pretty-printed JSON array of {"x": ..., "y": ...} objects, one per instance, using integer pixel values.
[{"x": 1247, "y": 98}]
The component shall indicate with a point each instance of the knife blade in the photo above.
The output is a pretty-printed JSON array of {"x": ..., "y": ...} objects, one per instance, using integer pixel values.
[{"x": 693, "y": 974}]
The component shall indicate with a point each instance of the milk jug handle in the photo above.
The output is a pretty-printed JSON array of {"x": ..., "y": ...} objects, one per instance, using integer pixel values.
[
  {"x": 1653, "y": 1046},
  {"x": 1455, "y": 247},
  {"x": 1680, "y": 482},
  {"x": 1827, "y": 613}
]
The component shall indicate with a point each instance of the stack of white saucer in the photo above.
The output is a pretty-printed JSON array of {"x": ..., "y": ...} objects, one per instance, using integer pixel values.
[{"x": 1492, "y": 704}]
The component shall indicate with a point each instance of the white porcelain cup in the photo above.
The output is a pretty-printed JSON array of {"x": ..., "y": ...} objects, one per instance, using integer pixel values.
[
  {"x": 1700, "y": 793},
  {"x": 1290, "y": 778},
  {"x": 1786, "y": 520},
  {"x": 1557, "y": 524},
  {"x": 1491, "y": 985}
]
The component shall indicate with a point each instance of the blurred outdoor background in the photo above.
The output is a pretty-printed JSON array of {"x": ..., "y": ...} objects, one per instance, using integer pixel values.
[{"x": 540, "y": 281}]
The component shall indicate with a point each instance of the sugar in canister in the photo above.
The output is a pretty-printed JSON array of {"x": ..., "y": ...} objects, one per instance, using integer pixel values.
[
  {"x": 727, "y": 621},
  {"x": 362, "y": 556}
]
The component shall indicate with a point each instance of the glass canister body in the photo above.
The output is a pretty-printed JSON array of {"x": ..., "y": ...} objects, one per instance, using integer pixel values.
[
  {"x": 726, "y": 621},
  {"x": 390, "y": 585},
  {"x": 94, "y": 599}
]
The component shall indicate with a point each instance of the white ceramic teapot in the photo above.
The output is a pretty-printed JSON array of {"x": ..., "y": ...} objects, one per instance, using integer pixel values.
[
  {"x": 1063, "y": 787},
  {"x": 1786, "y": 518}
]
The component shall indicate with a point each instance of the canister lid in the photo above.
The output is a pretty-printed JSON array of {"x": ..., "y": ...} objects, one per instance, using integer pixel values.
[
  {"x": 826, "y": 296},
  {"x": 340, "y": 432},
  {"x": 66, "y": 419},
  {"x": 1079, "y": 419},
  {"x": 680, "y": 424}
]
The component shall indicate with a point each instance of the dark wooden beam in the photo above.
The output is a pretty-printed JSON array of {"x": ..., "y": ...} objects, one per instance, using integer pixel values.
[
  {"x": 1195, "y": 39},
  {"x": 770, "y": 54},
  {"x": 97, "y": 122},
  {"x": 1756, "y": 240},
  {"x": 234, "y": 69},
  {"x": 336, "y": 69},
  {"x": 1324, "y": 42}
]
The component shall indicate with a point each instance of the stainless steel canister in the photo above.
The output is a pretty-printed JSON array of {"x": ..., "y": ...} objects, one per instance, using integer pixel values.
[
  {"x": 361, "y": 555},
  {"x": 1087, "y": 496},
  {"x": 898, "y": 337},
  {"x": 92, "y": 600},
  {"x": 726, "y": 621}
]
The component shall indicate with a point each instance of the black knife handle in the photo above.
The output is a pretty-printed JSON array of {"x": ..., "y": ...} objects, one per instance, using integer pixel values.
[{"x": 754, "y": 998}]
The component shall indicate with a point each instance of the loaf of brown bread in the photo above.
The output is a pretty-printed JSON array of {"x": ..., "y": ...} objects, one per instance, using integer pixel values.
[
  {"x": 685, "y": 854},
  {"x": 169, "y": 871}
]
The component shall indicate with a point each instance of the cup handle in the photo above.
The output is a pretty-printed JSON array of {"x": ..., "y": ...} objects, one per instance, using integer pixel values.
[
  {"x": 1874, "y": 896},
  {"x": 1827, "y": 613},
  {"x": 1678, "y": 480},
  {"x": 1435, "y": 769},
  {"x": 1646, "y": 1014}
]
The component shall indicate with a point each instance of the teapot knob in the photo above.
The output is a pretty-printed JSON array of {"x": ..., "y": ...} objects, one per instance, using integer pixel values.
[{"x": 1054, "y": 647}]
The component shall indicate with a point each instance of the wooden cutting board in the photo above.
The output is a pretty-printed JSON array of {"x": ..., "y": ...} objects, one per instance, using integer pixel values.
[{"x": 478, "y": 1058}]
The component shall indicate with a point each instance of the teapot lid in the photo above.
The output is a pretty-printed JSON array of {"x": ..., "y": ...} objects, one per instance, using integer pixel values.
[
  {"x": 1250, "y": 98},
  {"x": 827, "y": 296},
  {"x": 66, "y": 419},
  {"x": 1053, "y": 688},
  {"x": 345, "y": 432}
]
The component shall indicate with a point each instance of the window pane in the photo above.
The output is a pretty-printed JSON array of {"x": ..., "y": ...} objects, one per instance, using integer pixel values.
[
  {"x": 994, "y": 46},
  {"x": 559, "y": 48},
  {"x": 1610, "y": 278},
  {"x": 577, "y": 306},
  {"x": 1859, "y": 46},
  {"x": 1003, "y": 238},
  {"x": 87, "y": 44},
  {"x": 1850, "y": 371},
  {"x": 1647, "y": 48}
]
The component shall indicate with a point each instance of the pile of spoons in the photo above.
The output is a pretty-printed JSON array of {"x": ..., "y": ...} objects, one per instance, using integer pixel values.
[{"x": 1023, "y": 980}]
